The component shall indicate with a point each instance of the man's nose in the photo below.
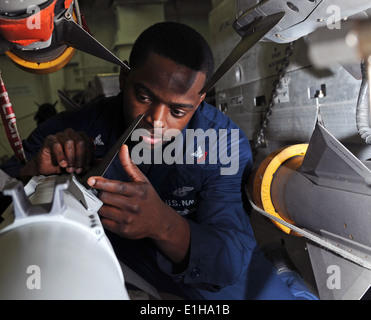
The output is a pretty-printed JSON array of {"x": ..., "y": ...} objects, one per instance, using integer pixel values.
[{"x": 156, "y": 116}]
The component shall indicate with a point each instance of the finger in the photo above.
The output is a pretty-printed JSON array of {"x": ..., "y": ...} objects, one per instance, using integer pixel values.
[
  {"x": 129, "y": 166},
  {"x": 89, "y": 150},
  {"x": 83, "y": 151},
  {"x": 122, "y": 229},
  {"x": 67, "y": 141},
  {"x": 55, "y": 148},
  {"x": 121, "y": 202},
  {"x": 112, "y": 186},
  {"x": 114, "y": 219},
  {"x": 110, "y": 225},
  {"x": 77, "y": 150},
  {"x": 46, "y": 162},
  {"x": 112, "y": 213}
]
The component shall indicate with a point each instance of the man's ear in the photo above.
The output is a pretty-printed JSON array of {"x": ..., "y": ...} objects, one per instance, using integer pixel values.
[
  {"x": 202, "y": 97},
  {"x": 124, "y": 73}
]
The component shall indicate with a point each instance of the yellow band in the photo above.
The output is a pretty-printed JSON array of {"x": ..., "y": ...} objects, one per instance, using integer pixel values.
[
  {"x": 44, "y": 67},
  {"x": 275, "y": 163}
]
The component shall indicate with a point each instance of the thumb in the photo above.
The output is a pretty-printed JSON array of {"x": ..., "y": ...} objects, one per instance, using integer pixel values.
[{"x": 129, "y": 166}]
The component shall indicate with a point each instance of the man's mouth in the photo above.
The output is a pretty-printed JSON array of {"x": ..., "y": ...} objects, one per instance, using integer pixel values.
[{"x": 151, "y": 139}]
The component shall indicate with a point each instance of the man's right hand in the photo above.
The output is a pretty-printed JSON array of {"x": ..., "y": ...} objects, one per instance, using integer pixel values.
[{"x": 68, "y": 151}]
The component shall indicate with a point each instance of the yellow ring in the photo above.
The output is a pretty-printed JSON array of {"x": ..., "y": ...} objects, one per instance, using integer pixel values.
[
  {"x": 44, "y": 67},
  {"x": 276, "y": 162}
]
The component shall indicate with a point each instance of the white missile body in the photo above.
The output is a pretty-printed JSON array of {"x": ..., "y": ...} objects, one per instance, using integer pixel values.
[{"x": 53, "y": 246}]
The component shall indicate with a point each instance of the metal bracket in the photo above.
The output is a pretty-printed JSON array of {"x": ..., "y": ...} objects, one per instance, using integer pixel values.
[{"x": 23, "y": 207}]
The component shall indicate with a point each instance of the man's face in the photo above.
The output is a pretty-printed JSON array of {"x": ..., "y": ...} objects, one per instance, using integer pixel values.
[{"x": 166, "y": 92}]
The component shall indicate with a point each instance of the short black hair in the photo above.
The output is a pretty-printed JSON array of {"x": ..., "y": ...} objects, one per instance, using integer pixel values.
[
  {"x": 175, "y": 41},
  {"x": 44, "y": 112}
]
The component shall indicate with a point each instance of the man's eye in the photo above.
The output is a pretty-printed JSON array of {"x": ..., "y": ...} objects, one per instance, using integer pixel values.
[
  {"x": 178, "y": 113},
  {"x": 142, "y": 97}
]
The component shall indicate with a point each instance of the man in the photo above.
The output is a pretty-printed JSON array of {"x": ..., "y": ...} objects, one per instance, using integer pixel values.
[{"x": 179, "y": 224}]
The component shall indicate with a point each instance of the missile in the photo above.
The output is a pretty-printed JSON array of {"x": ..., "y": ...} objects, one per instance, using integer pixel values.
[
  {"x": 322, "y": 190},
  {"x": 53, "y": 246}
]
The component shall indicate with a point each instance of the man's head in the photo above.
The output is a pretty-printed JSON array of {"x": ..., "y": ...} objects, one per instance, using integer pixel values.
[
  {"x": 175, "y": 41},
  {"x": 170, "y": 63}
]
